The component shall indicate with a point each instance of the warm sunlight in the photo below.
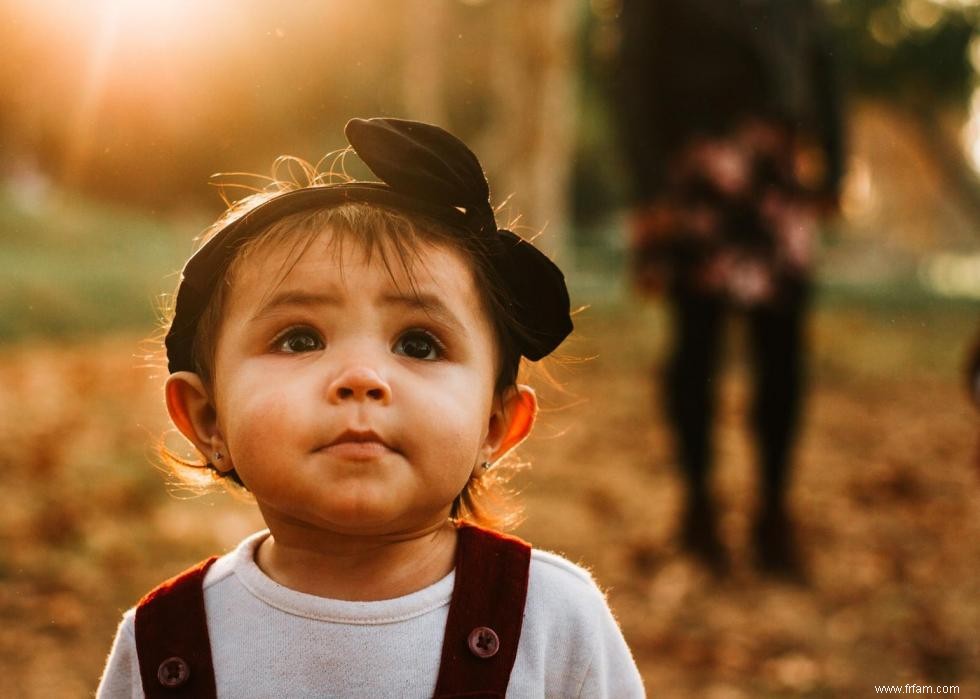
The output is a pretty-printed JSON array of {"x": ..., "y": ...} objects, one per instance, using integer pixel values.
[
  {"x": 122, "y": 50},
  {"x": 147, "y": 20},
  {"x": 131, "y": 35},
  {"x": 129, "y": 30},
  {"x": 971, "y": 132}
]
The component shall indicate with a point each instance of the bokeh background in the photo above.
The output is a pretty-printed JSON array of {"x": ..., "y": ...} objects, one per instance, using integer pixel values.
[{"x": 113, "y": 115}]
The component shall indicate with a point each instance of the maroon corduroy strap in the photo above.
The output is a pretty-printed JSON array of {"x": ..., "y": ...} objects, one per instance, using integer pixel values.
[
  {"x": 172, "y": 638},
  {"x": 485, "y": 615},
  {"x": 479, "y": 648}
]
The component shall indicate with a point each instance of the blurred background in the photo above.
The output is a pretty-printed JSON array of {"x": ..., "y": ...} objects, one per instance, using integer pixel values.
[{"x": 113, "y": 115}]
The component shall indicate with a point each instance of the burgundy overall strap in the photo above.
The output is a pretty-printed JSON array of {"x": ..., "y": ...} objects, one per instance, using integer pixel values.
[
  {"x": 172, "y": 638},
  {"x": 485, "y": 615}
]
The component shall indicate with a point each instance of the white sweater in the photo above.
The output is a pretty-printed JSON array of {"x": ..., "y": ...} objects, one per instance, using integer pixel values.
[{"x": 270, "y": 641}]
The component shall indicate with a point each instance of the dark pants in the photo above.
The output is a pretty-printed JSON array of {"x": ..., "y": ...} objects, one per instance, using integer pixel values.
[{"x": 777, "y": 345}]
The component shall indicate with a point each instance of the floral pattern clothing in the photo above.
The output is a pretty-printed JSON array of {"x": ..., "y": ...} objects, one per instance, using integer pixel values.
[{"x": 735, "y": 218}]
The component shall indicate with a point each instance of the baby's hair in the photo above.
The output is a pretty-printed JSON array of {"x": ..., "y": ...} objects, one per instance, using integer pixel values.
[{"x": 396, "y": 237}]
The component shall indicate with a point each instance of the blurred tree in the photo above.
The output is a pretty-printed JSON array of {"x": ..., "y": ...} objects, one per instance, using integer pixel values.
[
  {"x": 529, "y": 140},
  {"x": 423, "y": 84},
  {"x": 121, "y": 109},
  {"x": 127, "y": 106},
  {"x": 910, "y": 51},
  {"x": 920, "y": 57}
]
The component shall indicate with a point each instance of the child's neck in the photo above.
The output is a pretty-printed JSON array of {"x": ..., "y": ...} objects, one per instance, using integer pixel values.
[{"x": 357, "y": 568}]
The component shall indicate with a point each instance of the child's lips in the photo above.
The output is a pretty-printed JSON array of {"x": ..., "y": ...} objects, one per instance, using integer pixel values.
[
  {"x": 357, "y": 446},
  {"x": 357, "y": 451}
]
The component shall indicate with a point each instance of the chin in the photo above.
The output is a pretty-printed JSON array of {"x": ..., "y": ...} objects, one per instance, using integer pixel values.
[
  {"x": 357, "y": 516},
  {"x": 369, "y": 518}
]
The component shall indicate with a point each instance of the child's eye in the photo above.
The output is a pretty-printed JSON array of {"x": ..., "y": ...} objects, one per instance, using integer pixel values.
[
  {"x": 296, "y": 340},
  {"x": 419, "y": 344}
]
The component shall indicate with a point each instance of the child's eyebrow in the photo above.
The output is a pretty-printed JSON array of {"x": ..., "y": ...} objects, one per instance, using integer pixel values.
[
  {"x": 431, "y": 305},
  {"x": 295, "y": 298}
]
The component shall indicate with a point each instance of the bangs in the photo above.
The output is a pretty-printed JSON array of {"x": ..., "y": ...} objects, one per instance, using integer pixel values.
[{"x": 378, "y": 234}]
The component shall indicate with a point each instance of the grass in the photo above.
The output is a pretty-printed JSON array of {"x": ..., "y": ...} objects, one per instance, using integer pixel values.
[{"x": 72, "y": 268}]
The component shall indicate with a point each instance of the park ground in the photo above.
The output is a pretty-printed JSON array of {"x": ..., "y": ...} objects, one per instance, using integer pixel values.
[{"x": 886, "y": 493}]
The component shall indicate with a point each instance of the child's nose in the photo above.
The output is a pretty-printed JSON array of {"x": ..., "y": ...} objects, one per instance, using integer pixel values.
[{"x": 361, "y": 384}]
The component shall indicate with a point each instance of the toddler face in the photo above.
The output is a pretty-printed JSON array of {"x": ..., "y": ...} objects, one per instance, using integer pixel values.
[{"x": 353, "y": 398}]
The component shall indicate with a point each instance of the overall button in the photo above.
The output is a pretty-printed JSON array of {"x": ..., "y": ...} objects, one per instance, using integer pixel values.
[
  {"x": 484, "y": 642},
  {"x": 173, "y": 672}
]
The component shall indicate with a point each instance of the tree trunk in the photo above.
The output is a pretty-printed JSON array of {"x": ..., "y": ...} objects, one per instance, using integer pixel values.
[
  {"x": 423, "y": 89},
  {"x": 531, "y": 133}
]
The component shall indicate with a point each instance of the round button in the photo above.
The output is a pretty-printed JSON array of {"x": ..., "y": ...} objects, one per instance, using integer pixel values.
[
  {"x": 173, "y": 672},
  {"x": 484, "y": 642}
]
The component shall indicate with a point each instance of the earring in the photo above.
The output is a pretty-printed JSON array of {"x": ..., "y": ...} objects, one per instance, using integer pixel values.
[
  {"x": 218, "y": 456},
  {"x": 487, "y": 465}
]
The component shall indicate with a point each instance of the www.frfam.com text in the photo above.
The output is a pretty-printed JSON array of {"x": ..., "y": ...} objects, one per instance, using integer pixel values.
[{"x": 916, "y": 689}]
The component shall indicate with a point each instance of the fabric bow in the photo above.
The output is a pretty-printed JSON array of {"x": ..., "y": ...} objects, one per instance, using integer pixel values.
[{"x": 424, "y": 169}]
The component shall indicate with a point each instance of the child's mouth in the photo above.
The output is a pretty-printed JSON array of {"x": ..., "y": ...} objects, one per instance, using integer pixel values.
[{"x": 357, "y": 446}]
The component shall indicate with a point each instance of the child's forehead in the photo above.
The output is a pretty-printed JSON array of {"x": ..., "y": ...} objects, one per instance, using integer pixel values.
[{"x": 336, "y": 258}]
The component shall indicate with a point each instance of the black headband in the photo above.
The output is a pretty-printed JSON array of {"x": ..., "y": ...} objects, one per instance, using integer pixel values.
[{"x": 425, "y": 170}]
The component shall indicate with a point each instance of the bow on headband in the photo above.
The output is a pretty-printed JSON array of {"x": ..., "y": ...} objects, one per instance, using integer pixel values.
[{"x": 424, "y": 170}]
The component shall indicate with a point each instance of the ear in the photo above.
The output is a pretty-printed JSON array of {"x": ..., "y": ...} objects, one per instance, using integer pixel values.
[
  {"x": 510, "y": 422},
  {"x": 192, "y": 412}
]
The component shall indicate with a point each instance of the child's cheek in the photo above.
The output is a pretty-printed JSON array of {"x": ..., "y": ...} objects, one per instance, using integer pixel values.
[{"x": 252, "y": 418}]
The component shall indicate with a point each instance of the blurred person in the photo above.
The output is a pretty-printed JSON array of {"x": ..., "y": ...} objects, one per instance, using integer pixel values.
[
  {"x": 729, "y": 119},
  {"x": 348, "y": 354}
]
